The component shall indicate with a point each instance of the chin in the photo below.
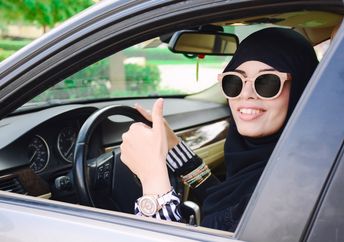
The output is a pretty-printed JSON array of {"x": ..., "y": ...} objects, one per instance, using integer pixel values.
[{"x": 253, "y": 133}]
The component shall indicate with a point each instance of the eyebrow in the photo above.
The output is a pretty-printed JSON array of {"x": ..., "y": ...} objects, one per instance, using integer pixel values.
[{"x": 262, "y": 70}]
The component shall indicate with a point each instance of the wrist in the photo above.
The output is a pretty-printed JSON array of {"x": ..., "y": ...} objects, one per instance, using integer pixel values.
[
  {"x": 156, "y": 189},
  {"x": 156, "y": 184},
  {"x": 173, "y": 140}
]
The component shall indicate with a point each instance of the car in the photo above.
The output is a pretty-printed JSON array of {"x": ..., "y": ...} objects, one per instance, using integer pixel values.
[{"x": 67, "y": 97}]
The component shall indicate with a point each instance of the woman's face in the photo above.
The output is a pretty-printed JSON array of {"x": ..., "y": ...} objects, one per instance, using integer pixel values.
[{"x": 253, "y": 116}]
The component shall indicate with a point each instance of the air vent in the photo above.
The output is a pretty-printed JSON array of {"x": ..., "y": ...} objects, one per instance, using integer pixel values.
[{"x": 12, "y": 185}]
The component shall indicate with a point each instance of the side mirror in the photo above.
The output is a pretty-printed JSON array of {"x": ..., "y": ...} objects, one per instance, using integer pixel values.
[{"x": 207, "y": 43}]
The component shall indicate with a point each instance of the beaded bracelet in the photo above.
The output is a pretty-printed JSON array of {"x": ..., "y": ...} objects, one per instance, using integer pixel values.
[
  {"x": 203, "y": 180},
  {"x": 197, "y": 176},
  {"x": 195, "y": 172}
]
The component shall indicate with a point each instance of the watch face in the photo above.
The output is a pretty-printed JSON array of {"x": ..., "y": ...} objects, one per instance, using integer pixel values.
[{"x": 148, "y": 206}]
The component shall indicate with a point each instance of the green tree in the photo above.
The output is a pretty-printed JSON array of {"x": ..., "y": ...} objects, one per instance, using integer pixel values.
[
  {"x": 45, "y": 13},
  {"x": 142, "y": 79}
]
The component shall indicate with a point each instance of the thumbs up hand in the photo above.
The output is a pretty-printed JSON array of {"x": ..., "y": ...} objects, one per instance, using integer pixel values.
[
  {"x": 172, "y": 138},
  {"x": 144, "y": 150}
]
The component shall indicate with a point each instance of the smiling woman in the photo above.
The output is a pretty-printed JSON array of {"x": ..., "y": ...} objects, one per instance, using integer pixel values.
[{"x": 259, "y": 116}]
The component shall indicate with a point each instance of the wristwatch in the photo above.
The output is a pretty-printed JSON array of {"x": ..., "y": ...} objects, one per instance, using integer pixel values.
[{"x": 149, "y": 205}]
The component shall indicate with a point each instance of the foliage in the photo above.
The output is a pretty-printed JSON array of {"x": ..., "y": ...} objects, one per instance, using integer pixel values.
[
  {"x": 5, "y": 53},
  {"x": 143, "y": 79},
  {"x": 92, "y": 82},
  {"x": 96, "y": 71},
  {"x": 8, "y": 47},
  {"x": 72, "y": 89},
  {"x": 89, "y": 83},
  {"x": 8, "y": 44},
  {"x": 45, "y": 13}
]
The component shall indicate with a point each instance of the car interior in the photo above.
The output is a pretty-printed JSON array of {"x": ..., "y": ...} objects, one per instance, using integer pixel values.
[{"x": 40, "y": 151}]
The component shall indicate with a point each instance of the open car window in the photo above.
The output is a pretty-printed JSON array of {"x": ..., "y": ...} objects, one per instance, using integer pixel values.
[{"x": 146, "y": 69}]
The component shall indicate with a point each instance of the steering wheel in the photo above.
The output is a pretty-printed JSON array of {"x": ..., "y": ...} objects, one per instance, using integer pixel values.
[{"x": 105, "y": 177}]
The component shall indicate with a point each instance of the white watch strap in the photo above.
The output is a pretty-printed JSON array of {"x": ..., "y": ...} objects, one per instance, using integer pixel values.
[{"x": 167, "y": 197}]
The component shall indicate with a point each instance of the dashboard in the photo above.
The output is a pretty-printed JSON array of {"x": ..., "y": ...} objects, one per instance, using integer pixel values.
[
  {"x": 39, "y": 146},
  {"x": 53, "y": 144}
]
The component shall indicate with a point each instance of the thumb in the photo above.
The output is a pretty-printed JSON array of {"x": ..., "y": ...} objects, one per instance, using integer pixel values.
[{"x": 157, "y": 115}]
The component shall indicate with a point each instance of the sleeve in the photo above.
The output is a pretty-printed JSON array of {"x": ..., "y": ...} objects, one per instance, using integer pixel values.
[
  {"x": 169, "y": 211},
  {"x": 182, "y": 160}
]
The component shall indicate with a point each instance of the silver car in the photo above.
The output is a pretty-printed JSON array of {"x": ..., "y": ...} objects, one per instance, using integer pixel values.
[{"x": 66, "y": 98}]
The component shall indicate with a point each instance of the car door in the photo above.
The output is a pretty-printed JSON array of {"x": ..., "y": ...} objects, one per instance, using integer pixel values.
[{"x": 34, "y": 220}]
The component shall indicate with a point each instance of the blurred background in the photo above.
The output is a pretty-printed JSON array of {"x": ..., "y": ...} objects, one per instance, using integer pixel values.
[
  {"x": 22, "y": 21},
  {"x": 146, "y": 69}
]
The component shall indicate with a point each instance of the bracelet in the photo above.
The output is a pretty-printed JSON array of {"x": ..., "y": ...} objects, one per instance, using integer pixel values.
[
  {"x": 203, "y": 180},
  {"x": 196, "y": 177},
  {"x": 195, "y": 172}
]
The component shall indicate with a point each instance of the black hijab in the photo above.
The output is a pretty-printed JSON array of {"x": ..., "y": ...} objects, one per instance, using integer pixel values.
[{"x": 245, "y": 158}]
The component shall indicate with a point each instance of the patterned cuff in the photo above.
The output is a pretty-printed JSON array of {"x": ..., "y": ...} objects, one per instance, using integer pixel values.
[
  {"x": 179, "y": 155},
  {"x": 169, "y": 211},
  {"x": 181, "y": 159}
]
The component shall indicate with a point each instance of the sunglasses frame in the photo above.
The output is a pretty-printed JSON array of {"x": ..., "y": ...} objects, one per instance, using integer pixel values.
[{"x": 282, "y": 76}]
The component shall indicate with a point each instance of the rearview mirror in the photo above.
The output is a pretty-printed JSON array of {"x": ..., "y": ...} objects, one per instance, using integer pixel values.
[{"x": 195, "y": 42}]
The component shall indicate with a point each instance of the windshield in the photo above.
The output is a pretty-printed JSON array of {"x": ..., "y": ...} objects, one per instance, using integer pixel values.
[{"x": 146, "y": 69}]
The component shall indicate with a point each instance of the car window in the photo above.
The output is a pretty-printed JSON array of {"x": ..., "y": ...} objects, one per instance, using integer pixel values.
[{"x": 146, "y": 69}]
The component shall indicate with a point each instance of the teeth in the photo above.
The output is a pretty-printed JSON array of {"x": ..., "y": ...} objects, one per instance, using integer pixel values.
[{"x": 249, "y": 111}]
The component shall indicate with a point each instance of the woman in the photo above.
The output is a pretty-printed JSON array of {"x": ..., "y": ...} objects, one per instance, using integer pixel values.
[{"x": 263, "y": 82}]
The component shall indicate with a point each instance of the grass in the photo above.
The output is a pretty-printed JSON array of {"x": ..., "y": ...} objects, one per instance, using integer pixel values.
[
  {"x": 9, "y": 46},
  {"x": 5, "y": 53}
]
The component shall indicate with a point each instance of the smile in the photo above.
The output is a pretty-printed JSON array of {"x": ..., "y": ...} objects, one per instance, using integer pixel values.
[
  {"x": 250, "y": 111},
  {"x": 248, "y": 114}
]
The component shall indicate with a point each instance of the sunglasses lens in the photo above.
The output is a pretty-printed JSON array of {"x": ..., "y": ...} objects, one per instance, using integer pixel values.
[
  {"x": 231, "y": 85},
  {"x": 267, "y": 85}
]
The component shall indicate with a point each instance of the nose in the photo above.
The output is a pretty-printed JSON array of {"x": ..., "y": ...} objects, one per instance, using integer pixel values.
[{"x": 247, "y": 91}]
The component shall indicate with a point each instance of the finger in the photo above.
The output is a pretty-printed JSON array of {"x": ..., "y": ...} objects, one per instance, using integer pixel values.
[
  {"x": 143, "y": 111},
  {"x": 123, "y": 154},
  {"x": 157, "y": 116},
  {"x": 124, "y": 136},
  {"x": 138, "y": 125}
]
